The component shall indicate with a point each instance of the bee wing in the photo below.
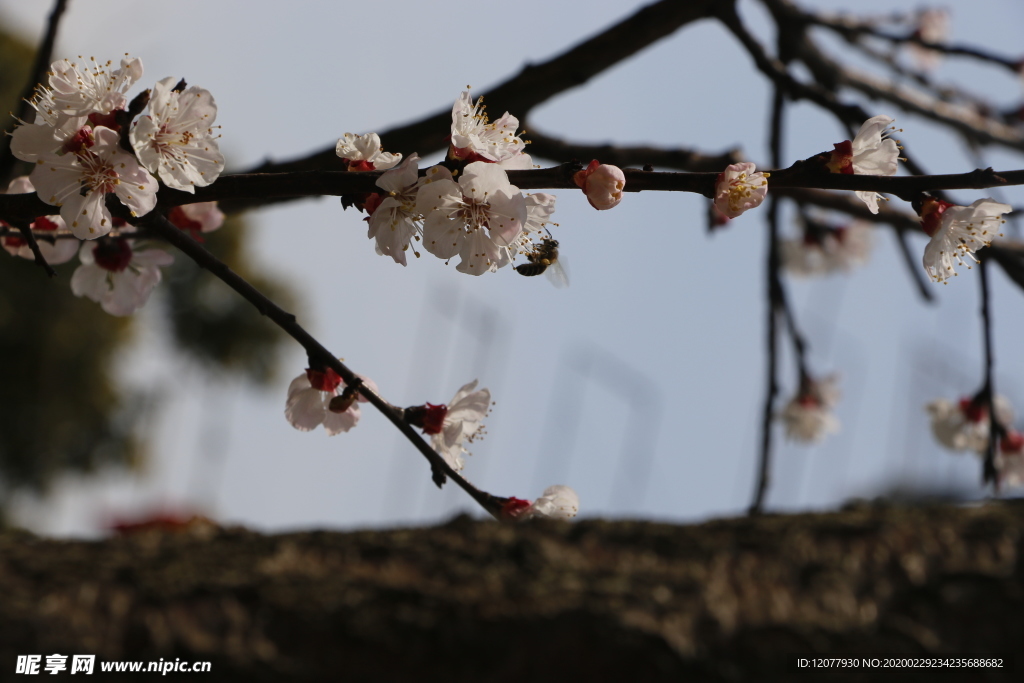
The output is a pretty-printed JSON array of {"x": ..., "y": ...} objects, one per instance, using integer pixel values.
[{"x": 557, "y": 275}]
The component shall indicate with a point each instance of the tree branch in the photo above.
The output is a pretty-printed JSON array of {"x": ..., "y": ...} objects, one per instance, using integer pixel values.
[
  {"x": 44, "y": 57},
  {"x": 535, "y": 83}
]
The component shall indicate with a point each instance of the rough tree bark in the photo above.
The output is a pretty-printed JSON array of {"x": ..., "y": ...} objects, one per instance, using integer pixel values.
[{"x": 728, "y": 600}]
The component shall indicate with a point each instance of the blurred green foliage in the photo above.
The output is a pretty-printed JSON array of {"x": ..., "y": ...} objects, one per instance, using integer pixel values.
[{"x": 60, "y": 408}]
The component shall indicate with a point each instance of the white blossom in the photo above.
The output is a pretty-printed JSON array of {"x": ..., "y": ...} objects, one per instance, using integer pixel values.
[
  {"x": 393, "y": 220},
  {"x": 739, "y": 188},
  {"x": 476, "y": 218},
  {"x": 459, "y": 423},
  {"x": 932, "y": 27},
  {"x": 964, "y": 425},
  {"x": 197, "y": 218},
  {"x": 871, "y": 152},
  {"x": 1009, "y": 459},
  {"x": 78, "y": 183},
  {"x": 835, "y": 250},
  {"x": 176, "y": 141},
  {"x": 808, "y": 416},
  {"x": 309, "y": 402},
  {"x": 117, "y": 276},
  {"x": 557, "y": 502},
  {"x": 474, "y": 138},
  {"x": 75, "y": 97},
  {"x": 365, "y": 153},
  {"x": 957, "y": 232},
  {"x": 77, "y": 90}
]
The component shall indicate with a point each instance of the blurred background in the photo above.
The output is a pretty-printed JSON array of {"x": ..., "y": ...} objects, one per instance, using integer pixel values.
[{"x": 640, "y": 385}]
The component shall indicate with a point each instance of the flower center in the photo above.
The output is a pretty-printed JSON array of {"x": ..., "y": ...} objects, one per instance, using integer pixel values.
[
  {"x": 974, "y": 412},
  {"x": 514, "y": 507},
  {"x": 433, "y": 418},
  {"x": 99, "y": 175},
  {"x": 328, "y": 380},
  {"x": 113, "y": 254},
  {"x": 842, "y": 158},
  {"x": 82, "y": 139},
  {"x": 740, "y": 190},
  {"x": 931, "y": 215}
]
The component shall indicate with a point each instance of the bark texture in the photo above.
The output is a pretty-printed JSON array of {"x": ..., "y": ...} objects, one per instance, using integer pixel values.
[{"x": 728, "y": 600}]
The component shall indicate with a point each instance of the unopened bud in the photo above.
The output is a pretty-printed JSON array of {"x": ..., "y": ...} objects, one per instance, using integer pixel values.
[{"x": 602, "y": 183}]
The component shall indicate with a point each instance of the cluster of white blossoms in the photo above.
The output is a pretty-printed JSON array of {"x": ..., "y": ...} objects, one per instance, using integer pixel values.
[
  {"x": 115, "y": 271},
  {"x": 956, "y": 231},
  {"x": 808, "y": 416},
  {"x": 474, "y": 213},
  {"x": 964, "y": 426},
  {"x": 77, "y": 143}
]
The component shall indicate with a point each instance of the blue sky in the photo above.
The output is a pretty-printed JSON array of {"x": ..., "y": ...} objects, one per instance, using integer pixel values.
[{"x": 641, "y": 384}]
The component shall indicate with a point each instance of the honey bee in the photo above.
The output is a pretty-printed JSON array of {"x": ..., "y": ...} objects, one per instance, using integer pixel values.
[{"x": 544, "y": 259}]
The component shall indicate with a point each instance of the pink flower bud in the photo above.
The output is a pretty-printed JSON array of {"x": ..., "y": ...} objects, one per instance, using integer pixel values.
[
  {"x": 514, "y": 508},
  {"x": 602, "y": 183}
]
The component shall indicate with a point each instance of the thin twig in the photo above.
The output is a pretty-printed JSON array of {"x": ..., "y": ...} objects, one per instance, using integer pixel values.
[
  {"x": 318, "y": 354},
  {"x": 26, "y": 234},
  {"x": 773, "y": 287},
  {"x": 913, "y": 267},
  {"x": 995, "y": 428}
]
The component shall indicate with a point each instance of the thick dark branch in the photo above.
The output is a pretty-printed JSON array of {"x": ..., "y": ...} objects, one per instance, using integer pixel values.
[
  {"x": 905, "y": 187},
  {"x": 235, "y": 190},
  {"x": 536, "y": 83},
  {"x": 232, "y": 189},
  {"x": 44, "y": 57}
]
